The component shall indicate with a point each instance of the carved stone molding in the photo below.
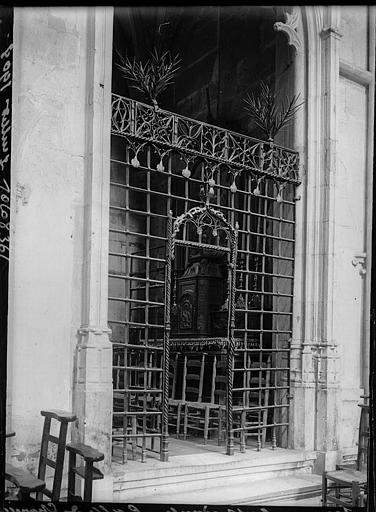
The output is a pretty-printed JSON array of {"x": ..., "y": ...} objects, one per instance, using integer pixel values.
[
  {"x": 359, "y": 261},
  {"x": 330, "y": 32},
  {"x": 290, "y": 28},
  {"x": 98, "y": 330}
]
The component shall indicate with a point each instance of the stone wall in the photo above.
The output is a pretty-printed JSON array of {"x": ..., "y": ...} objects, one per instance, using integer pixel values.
[{"x": 48, "y": 162}]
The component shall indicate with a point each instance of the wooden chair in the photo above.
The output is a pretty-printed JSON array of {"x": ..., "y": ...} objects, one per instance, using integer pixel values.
[
  {"x": 26, "y": 482},
  {"x": 348, "y": 487},
  {"x": 205, "y": 416},
  {"x": 87, "y": 471},
  {"x": 253, "y": 411}
]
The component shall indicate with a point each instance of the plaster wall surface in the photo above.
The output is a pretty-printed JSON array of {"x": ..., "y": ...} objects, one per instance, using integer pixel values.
[
  {"x": 355, "y": 36},
  {"x": 350, "y": 227},
  {"x": 48, "y": 181}
]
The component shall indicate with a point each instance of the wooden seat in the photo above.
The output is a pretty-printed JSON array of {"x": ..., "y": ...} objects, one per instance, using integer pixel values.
[
  {"x": 348, "y": 487},
  {"x": 87, "y": 471},
  {"x": 26, "y": 482}
]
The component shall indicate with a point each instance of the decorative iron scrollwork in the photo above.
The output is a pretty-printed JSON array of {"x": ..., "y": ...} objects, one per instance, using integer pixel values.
[{"x": 141, "y": 123}]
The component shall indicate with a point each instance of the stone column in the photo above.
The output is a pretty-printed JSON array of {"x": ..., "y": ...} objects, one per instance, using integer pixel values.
[
  {"x": 92, "y": 396},
  {"x": 314, "y": 379}
]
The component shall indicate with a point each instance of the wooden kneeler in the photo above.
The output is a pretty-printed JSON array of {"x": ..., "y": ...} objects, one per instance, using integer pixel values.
[
  {"x": 87, "y": 471},
  {"x": 25, "y": 481},
  {"x": 28, "y": 483}
]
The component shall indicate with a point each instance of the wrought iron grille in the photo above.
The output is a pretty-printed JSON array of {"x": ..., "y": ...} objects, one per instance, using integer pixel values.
[{"x": 160, "y": 162}]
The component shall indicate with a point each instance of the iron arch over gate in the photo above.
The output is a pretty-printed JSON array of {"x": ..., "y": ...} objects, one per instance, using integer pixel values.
[{"x": 208, "y": 222}]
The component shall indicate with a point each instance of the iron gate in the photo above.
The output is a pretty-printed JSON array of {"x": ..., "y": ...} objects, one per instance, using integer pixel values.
[{"x": 159, "y": 163}]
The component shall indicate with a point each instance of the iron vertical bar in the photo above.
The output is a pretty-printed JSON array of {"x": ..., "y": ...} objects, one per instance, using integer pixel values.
[
  {"x": 166, "y": 341},
  {"x": 231, "y": 346}
]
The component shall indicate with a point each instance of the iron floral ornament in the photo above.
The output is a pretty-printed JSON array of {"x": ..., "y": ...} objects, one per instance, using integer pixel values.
[{"x": 218, "y": 149}]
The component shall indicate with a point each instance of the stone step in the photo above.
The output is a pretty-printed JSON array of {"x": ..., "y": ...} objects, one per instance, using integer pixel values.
[
  {"x": 204, "y": 472},
  {"x": 276, "y": 491}
]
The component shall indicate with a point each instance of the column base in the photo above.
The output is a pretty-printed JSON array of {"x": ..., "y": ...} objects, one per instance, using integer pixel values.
[
  {"x": 92, "y": 394},
  {"x": 325, "y": 461}
]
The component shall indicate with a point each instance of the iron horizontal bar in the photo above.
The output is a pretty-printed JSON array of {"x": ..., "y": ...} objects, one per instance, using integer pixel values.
[
  {"x": 263, "y": 311},
  {"x": 268, "y": 331},
  {"x": 240, "y": 408},
  {"x": 141, "y": 235},
  {"x": 126, "y": 209},
  {"x": 201, "y": 245},
  {"x": 140, "y": 390},
  {"x": 260, "y": 369},
  {"x": 258, "y": 214},
  {"x": 140, "y": 347},
  {"x": 136, "y": 256},
  {"x": 268, "y": 238},
  {"x": 137, "y": 368},
  {"x": 129, "y": 436},
  {"x": 259, "y": 427},
  {"x": 264, "y": 254},
  {"x": 132, "y": 278},
  {"x": 267, "y": 274},
  {"x": 136, "y": 301},
  {"x": 261, "y": 388},
  {"x": 138, "y": 413},
  {"x": 262, "y": 350},
  {"x": 265, "y": 293},
  {"x": 136, "y": 324}
]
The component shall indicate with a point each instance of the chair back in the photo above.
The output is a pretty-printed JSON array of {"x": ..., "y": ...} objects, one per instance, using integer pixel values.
[
  {"x": 258, "y": 382},
  {"x": 193, "y": 377},
  {"x": 62, "y": 419},
  {"x": 219, "y": 381},
  {"x": 363, "y": 437},
  {"x": 172, "y": 375}
]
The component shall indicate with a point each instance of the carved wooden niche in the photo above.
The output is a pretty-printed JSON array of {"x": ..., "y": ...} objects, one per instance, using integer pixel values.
[{"x": 201, "y": 296}]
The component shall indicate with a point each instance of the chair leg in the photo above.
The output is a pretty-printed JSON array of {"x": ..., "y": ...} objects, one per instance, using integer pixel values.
[
  {"x": 185, "y": 421},
  {"x": 59, "y": 462},
  {"x": 242, "y": 431},
  {"x": 71, "y": 476},
  {"x": 43, "y": 453},
  {"x": 355, "y": 487},
  {"x": 219, "y": 426},
  {"x": 88, "y": 486},
  {"x": 178, "y": 419},
  {"x": 324, "y": 489},
  {"x": 134, "y": 438},
  {"x": 206, "y": 425}
]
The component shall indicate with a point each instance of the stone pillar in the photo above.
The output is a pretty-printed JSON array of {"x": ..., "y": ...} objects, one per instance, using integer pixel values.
[
  {"x": 314, "y": 374},
  {"x": 92, "y": 397}
]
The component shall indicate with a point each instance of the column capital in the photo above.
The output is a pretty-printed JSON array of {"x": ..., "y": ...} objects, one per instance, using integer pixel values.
[{"x": 94, "y": 329}]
